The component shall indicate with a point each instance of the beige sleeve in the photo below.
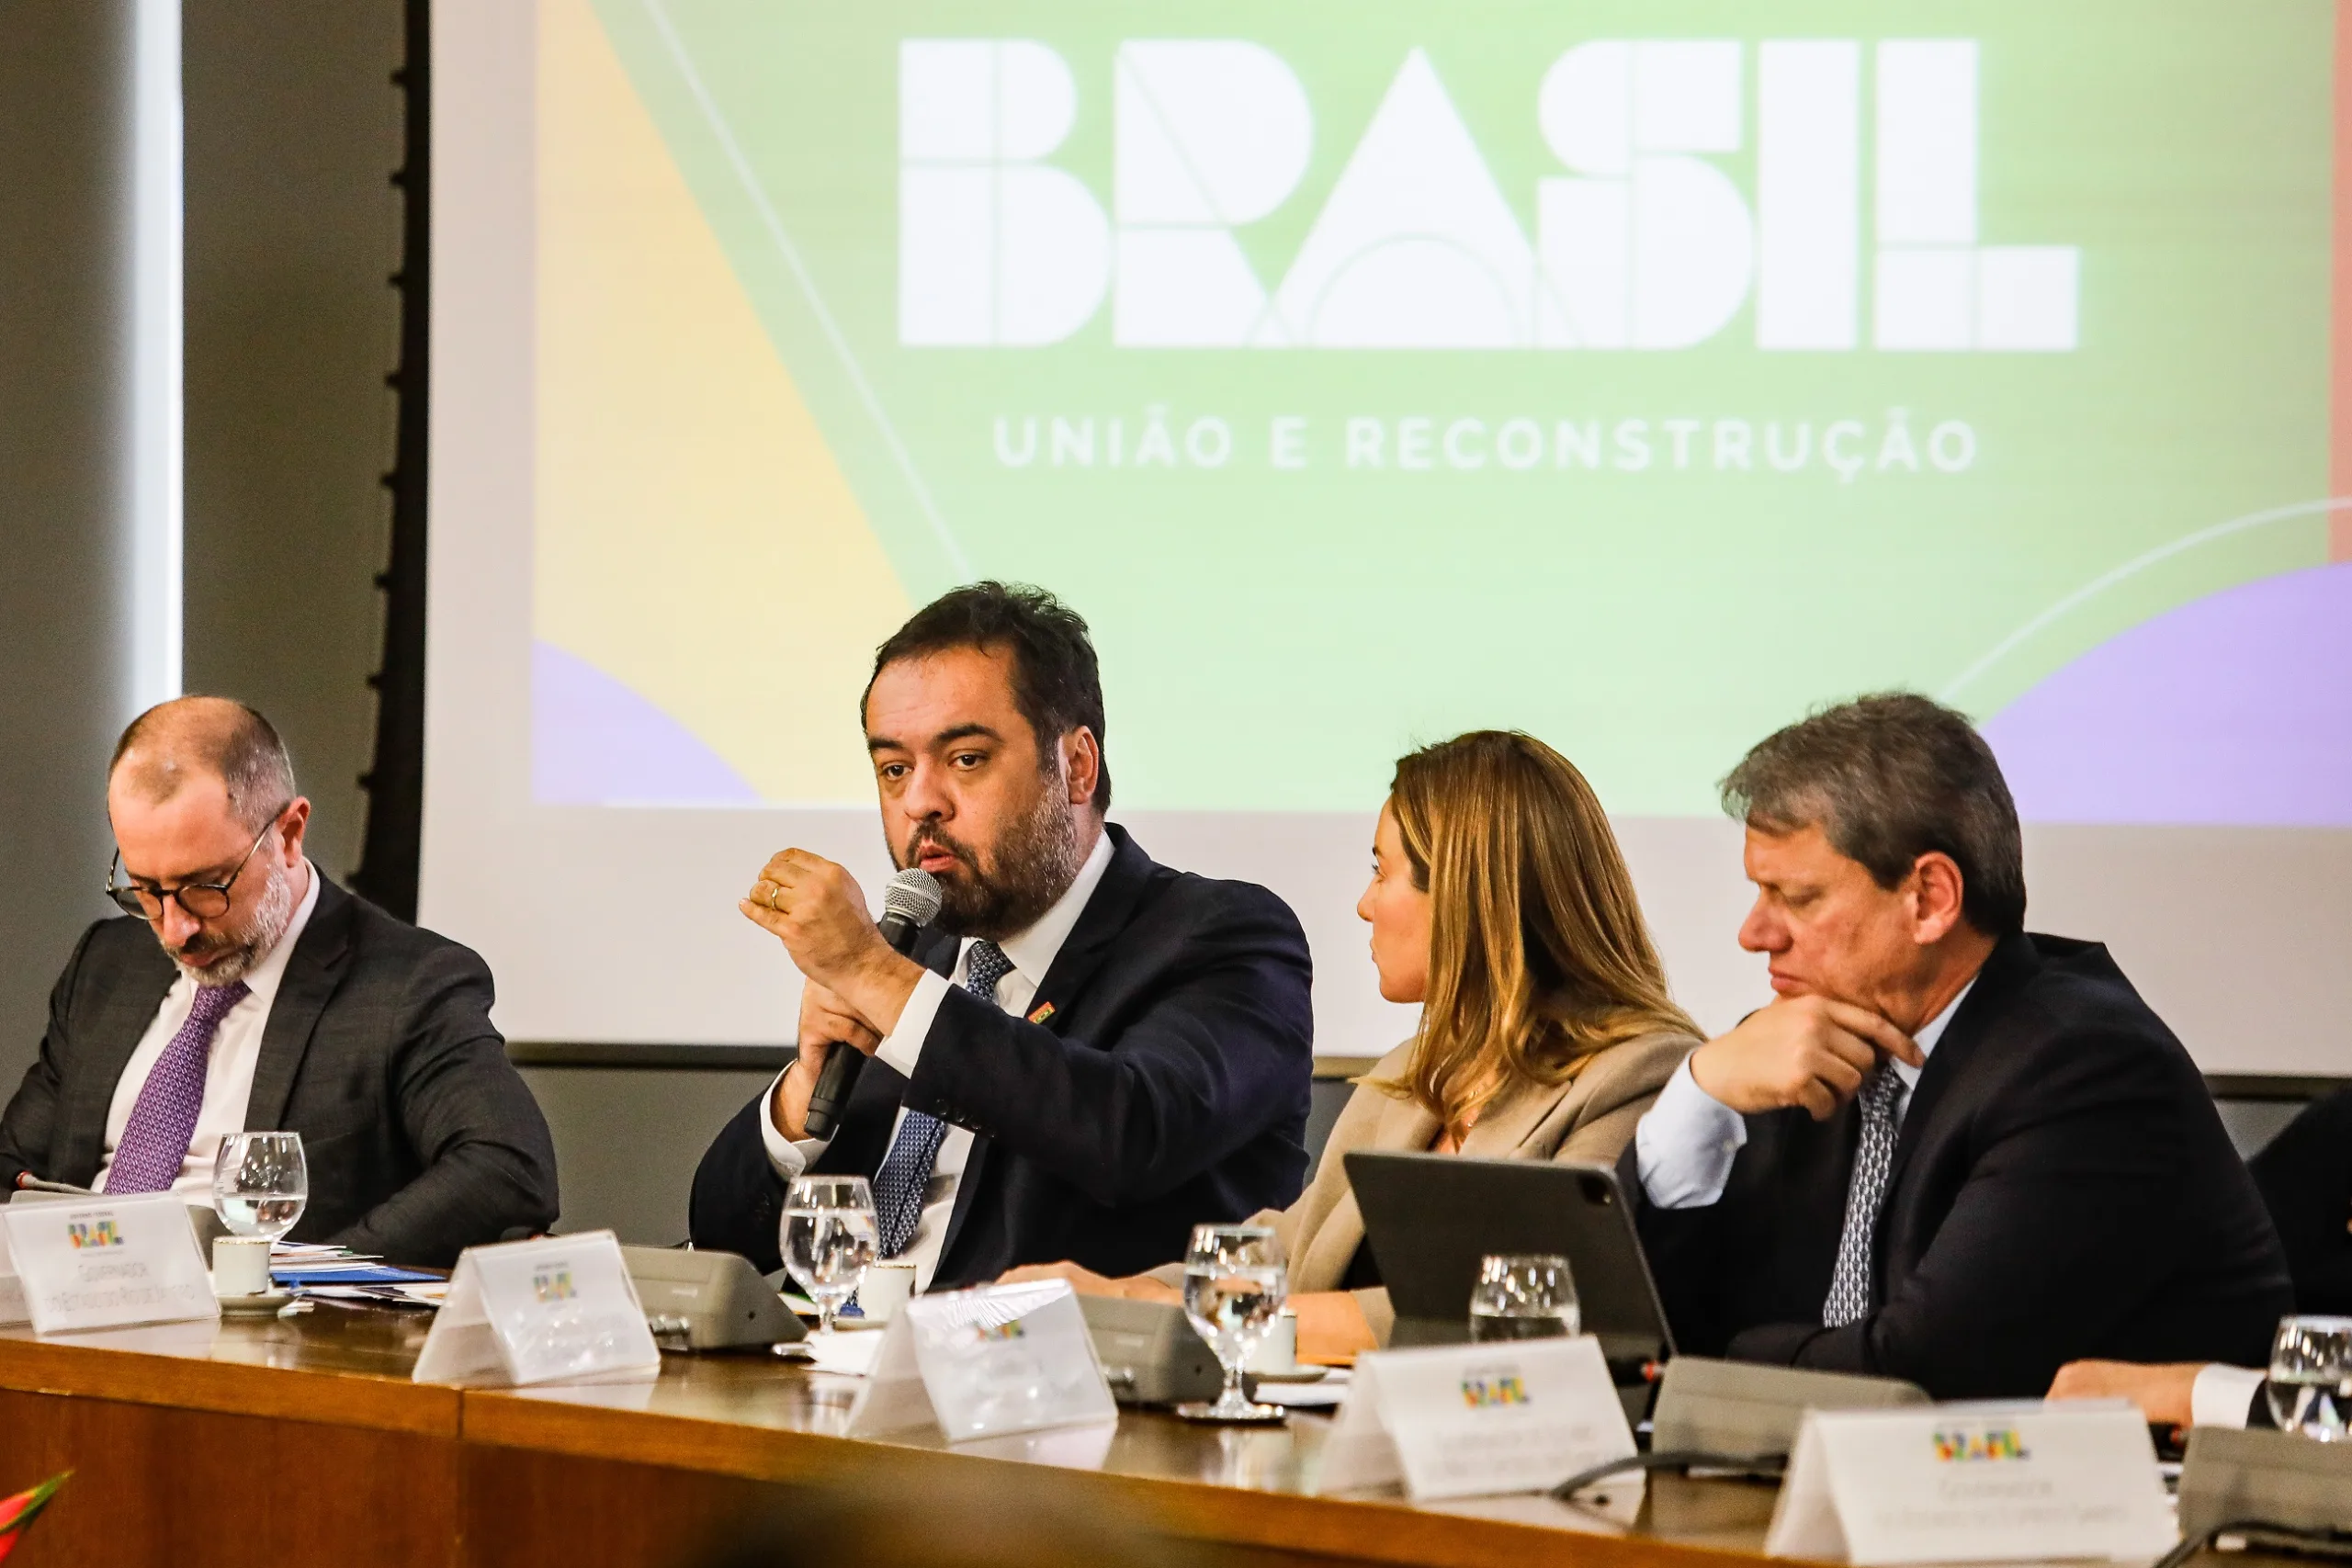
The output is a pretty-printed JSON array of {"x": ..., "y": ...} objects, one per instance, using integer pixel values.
[{"x": 1633, "y": 1072}]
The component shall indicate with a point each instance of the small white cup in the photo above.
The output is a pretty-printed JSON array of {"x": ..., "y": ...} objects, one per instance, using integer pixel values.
[
  {"x": 1278, "y": 1351},
  {"x": 239, "y": 1265},
  {"x": 886, "y": 1287}
]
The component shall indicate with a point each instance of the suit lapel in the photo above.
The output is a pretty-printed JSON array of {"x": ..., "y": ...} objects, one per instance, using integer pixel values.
[
  {"x": 2004, "y": 971},
  {"x": 1099, "y": 924},
  {"x": 312, "y": 971},
  {"x": 125, "y": 1007},
  {"x": 1506, "y": 1128}
]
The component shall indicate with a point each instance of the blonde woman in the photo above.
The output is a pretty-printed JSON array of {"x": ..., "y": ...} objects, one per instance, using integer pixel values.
[{"x": 1500, "y": 903}]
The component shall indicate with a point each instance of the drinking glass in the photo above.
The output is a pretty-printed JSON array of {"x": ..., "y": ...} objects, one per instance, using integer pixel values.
[
  {"x": 2310, "y": 1377},
  {"x": 828, "y": 1240},
  {"x": 260, "y": 1184},
  {"x": 1524, "y": 1296},
  {"x": 1234, "y": 1286}
]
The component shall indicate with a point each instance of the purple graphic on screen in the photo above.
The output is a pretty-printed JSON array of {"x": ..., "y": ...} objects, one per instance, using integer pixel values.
[
  {"x": 2234, "y": 709},
  {"x": 595, "y": 742}
]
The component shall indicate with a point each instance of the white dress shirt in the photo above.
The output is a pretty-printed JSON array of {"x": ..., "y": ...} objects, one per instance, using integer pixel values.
[
  {"x": 2224, "y": 1395},
  {"x": 1685, "y": 1144},
  {"x": 229, "y": 1071},
  {"x": 1032, "y": 953}
]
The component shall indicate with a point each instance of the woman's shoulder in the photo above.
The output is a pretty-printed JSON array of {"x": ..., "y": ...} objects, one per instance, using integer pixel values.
[
  {"x": 1638, "y": 1065},
  {"x": 1397, "y": 1063},
  {"x": 1361, "y": 1117}
]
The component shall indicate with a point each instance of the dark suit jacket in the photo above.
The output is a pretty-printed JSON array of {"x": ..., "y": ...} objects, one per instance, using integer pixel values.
[
  {"x": 420, "y": 1137},
  {"x": 2061, "y": 1188},
  {"x": 2306, "y": 1180},
  {"x": 1167, "y": 1087}
]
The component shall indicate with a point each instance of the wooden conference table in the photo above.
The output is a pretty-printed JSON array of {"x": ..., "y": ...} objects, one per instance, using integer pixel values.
[{"x": 302, "y": 1440}]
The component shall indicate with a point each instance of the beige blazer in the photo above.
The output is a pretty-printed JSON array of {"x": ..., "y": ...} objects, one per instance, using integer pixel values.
[{"x": 1588, "y": 1119}]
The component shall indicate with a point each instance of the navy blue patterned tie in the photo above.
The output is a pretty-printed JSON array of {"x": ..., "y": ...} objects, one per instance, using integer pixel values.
[
  {"x": 1849, "y": 1284},
  {"x": 905, "y": 1176}
]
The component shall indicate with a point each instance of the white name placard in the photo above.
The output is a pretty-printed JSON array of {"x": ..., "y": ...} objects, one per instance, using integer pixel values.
[
  {"x": 12, "y": 1287},
  {"x": 1972, "y": 1484},
  {"x": 561, "y": 1309},
  {"x": 1461, "y": 1420},
  {"x": 986, "y": 1363},
  {"x": 107, "y": 1262}
]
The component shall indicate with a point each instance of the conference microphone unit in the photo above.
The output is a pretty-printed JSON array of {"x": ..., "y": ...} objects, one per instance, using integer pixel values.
[{"x": 911, "y": 902}]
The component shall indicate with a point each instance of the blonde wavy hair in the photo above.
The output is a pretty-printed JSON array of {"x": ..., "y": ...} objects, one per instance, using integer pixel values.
[{"x": 1539, "y": 956}]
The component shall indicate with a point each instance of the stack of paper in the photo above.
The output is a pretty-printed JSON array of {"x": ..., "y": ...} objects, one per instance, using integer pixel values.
[{"x": 337, "y": 1273}]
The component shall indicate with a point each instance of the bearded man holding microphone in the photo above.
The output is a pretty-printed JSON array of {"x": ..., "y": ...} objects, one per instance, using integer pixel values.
[{"x": 1084, "y": 1054}]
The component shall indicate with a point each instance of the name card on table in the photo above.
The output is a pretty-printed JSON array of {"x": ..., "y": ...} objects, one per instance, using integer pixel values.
[
  {"x": 1462, "y": 1420},
  {"x": 561, "y": 1309},
  {"x": 13, "y": 1310},
  {"x": 986, "y": 1363},
  {"x": 107, "y": 1262},
  {"x": 1972, "y": 1484}
]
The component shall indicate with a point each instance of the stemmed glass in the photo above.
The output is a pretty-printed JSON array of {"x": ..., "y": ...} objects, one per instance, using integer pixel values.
[
  {"x": 828, "y": 1240},
  {"x": 260, "y": 1184},
  {"x": 1234, "y": 1287},
  {"x": 1524, "y": 1296},
  {"x": 2310, "y": 1378}
]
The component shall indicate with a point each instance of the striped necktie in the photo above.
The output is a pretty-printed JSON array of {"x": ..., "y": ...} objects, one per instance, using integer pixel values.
[{"x": 905, "y": 1176}]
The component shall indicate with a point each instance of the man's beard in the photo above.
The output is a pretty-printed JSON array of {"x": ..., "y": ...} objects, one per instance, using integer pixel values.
[
  {"x": 240, "y": 951},
  {"x": 1035, "y": 865}
]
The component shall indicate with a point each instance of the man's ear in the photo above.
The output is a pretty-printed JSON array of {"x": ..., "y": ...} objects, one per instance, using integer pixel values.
[
  {"x": 1937, "y": 892},
  {"x": 1081, "y": 764},
  {"x": 296, "y": 820}
]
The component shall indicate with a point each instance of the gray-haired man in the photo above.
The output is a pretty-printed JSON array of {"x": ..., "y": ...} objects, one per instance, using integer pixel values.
[
  {"x": 250, "y": 992},
  {"x": 1949, "y": 1151}
]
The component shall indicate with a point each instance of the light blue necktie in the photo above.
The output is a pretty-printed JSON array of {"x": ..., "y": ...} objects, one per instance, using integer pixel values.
[{"x": 905, "y": 1176}]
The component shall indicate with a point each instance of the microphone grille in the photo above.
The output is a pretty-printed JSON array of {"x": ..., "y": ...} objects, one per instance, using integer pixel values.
[{"x": 913, "y": 894}]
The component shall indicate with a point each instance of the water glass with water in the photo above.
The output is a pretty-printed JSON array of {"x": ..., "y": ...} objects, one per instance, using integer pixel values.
[
  {"x": 2310, "y": 1377},
  {"x": 1234, "y": 1287},
  {"x": 260, "y": 1184},
  {"x": 1524, "y": 1296},
  {"x": 828, "y": 1240}
]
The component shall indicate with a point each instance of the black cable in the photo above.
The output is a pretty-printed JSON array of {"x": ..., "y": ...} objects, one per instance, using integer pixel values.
[
  {"x": 390, "y": 842},
  {"x": 1673, "y": 1459},
  {"x": 2339, "y": 1540}
]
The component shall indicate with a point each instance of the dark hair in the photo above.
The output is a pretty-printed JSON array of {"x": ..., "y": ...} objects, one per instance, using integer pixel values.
[
  {"x": 221, "y": 735},
  {"x": 1888, "y": 778},
  {"x": 1056, "y": 682}
]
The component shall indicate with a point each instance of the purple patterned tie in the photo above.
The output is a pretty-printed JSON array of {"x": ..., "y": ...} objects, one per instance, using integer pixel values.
[{"x": 155, "y": 1141}]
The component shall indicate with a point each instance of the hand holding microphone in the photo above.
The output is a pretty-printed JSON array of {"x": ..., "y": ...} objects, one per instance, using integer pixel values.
[{"x": 858, "y": 976}]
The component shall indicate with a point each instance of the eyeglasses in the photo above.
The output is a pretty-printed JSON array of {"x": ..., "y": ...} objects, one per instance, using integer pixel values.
[{"x": 202, "y": 900}]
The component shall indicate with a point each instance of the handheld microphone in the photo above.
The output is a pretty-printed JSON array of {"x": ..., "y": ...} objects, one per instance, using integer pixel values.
[{"x": 911, "y": 901}]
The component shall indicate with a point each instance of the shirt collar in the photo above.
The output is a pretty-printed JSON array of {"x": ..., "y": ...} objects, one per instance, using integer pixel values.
[
  {"x": 262, "y": 979},
  {"x": 1033, "y": 951},
  {"x": 1930, "y": 1032}
]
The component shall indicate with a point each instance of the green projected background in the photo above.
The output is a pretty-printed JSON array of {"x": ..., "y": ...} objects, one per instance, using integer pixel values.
[{"x": 1637, "y": 373}]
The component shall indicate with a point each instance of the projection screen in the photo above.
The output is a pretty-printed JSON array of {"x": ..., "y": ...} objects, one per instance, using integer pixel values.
[{"x": 1639, "y": 375}]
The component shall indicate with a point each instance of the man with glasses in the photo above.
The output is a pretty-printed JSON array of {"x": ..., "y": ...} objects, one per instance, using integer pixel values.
[{"x": 260, "y": 995}]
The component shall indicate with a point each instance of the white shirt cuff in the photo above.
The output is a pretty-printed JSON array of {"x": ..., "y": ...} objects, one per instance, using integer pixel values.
[
  {"x": 2223, "y": 1396},
  {"x": 789, "y": 1157},
  {"x": 902, "y": 1048},
  {"x": 1684, "y": 1146}
]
